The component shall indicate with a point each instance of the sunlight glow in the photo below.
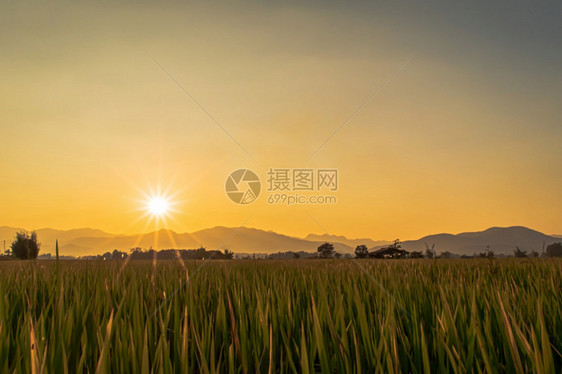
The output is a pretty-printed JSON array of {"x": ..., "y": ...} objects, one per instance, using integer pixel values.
[{"x": 158, "y": 206}]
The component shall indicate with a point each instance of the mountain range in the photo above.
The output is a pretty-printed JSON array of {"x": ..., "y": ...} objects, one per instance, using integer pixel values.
[
  {"x": 502, "y": 240},
  {"x": 86, "y": 241}
]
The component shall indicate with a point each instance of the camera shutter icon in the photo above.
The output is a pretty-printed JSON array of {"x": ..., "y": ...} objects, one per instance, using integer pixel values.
[{"x": 243, "y": 186}]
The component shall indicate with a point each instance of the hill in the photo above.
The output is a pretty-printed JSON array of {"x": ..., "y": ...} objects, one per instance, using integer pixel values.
[
  {"x": 502, "y": 240},
  {"x": 83, "y": 242},
  {"x": 48, "y": 236},
  {"x": 86, "y": 241}
]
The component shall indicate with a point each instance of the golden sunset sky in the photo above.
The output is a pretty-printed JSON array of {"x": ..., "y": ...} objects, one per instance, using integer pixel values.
[{"x": 466, "y": 135}]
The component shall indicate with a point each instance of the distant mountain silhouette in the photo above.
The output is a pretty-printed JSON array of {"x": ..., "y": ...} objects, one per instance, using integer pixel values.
[
  {"x": 82, "y": 242},
  {"x": 48, "y": 236},
  {"x": 502, "y": 240},
  {"x": 86, "y": 241}
]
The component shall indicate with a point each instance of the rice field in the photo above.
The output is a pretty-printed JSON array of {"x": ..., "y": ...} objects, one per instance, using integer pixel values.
[{"x": 418, "y": 316}]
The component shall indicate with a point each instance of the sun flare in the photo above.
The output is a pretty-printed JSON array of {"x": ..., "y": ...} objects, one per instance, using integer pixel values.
[{"x": 158, "y": 206}]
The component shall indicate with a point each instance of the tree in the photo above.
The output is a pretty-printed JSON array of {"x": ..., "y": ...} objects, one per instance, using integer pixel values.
[
  {"x": 446, "y": 254},
  {"x": 118, "y": 255},
  {"x": 534, "y": 254},
  {"x": 489, "y": 253},
  {"x": 519, "y": 253},
  {"x": 430, "y": 252},
  {"x": 416, "y": 254},
  {"x": 396, "y": 244},
  {"x": 228, "y": 254},
  {"x": 361, "y": 251},
  {"x": 25, "y": 247},
  {"x": 554, "y": 250},
  {"x": 326, "y": 250}
]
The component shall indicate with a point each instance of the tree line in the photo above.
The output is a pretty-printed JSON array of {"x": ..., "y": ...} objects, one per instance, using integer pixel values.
[
  {"x": 395, "y": 251},
  {"x": 138, "y": 253},
  {"x": 26, "y": 247}
]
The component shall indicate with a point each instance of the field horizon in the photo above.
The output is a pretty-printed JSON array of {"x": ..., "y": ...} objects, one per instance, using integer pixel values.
[{"x": 88, "y": 241}]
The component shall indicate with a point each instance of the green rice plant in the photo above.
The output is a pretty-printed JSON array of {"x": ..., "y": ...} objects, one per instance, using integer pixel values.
[{"x": 291, "y": 316}]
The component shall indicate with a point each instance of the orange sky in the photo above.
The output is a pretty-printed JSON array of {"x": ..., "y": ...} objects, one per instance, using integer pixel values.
[{"x": 466, "y": 136}]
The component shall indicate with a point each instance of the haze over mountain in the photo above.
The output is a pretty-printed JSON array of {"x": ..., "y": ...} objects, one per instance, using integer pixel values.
[{"x": 86, "y": 241}]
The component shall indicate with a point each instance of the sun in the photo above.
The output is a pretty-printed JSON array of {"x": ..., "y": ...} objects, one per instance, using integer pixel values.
[{"x": 158, "y": 206}]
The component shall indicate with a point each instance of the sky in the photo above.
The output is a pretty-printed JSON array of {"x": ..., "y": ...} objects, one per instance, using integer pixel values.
[{"x": 439, "y": 117}]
